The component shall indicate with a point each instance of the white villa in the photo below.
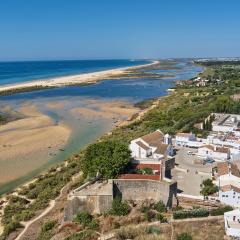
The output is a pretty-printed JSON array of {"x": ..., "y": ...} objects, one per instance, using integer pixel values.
[
  {"x": 232, "y": 223},
  {"x": 184, "y": 139},
  {"x": 153, "y": 146},
  {"x": 228, "y": 180},
  {"x": 214, "y": 152}
]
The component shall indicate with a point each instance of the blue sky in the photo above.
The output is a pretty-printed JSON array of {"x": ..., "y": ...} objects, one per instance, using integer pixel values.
[{"x": 101, "y": 29}]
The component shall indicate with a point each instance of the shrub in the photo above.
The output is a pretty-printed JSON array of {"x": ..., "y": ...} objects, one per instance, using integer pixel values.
[
  {"x": 190, "y": 213},
  {"x": 160, "y": 207},
  {"x": 84, "y": 235},
  {"x": 11, "y": 227},
  {"x": 46, "y": 232},
  {"x": 119, "y": 208},
  {"x": 150, "y": 215},
  {"x": 220, "y": 210},
  {"x": 153, "y": 230},
  {"x": 161, "y": 218},
  {"x": 86, "y": 220},
  {"x": 147, "y": 171},
  {"x": 184, "y": 236}
]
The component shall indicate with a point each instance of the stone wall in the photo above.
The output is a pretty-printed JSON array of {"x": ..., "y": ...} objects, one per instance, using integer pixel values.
[{"x": 139, "y": 190}]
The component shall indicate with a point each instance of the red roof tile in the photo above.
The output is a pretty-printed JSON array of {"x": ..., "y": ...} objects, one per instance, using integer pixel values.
[{"x": 140, "y": 177}]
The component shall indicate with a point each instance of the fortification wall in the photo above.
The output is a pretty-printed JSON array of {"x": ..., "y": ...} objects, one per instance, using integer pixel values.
[{"x": 140, "y": 190}]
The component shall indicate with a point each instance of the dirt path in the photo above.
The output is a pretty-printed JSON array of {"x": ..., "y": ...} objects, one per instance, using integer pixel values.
[{"x": 53, "y": 211}]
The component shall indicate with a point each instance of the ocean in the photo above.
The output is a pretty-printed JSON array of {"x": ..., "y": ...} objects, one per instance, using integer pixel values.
[{"x": 16, "y": 72}]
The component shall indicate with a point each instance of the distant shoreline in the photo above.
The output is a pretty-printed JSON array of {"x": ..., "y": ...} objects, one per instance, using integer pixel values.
[{"x": 80, "y": 79}]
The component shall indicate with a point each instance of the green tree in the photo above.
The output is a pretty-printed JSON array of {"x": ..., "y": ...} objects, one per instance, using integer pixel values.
[
  {"x": 208, "y": 188},
  {"x": 108, "y": 158}
]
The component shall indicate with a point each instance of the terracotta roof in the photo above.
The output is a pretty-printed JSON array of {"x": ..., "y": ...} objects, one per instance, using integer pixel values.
[
  {"x": 140, "y": 177},
  {"x": 184, "y": 134},
  {"x": 142, "y": 145},
  {"x": 209, "y": 147},
  {"x": 229, "y": 187},
  {"x": 161, "y": 148},
  {"x": 217, "y": 149},
  {"x": 226, "y": 168},
  {"x": 148, "y": 165},
  {"x": 153, "y": 138},
  {"x": 222, "y": 149}
]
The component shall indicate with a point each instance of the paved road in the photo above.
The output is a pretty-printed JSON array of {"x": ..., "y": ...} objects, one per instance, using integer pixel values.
[{"x": 194, "y": 173}]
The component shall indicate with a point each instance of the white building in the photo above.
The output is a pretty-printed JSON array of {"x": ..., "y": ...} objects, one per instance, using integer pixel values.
[
  {"x": 153, "y": 146},
  {"x": 230, "y": 195},
  {"x": 228, "y": 180},
  {"x": 225, "y": 122},
  {"x": 184, "y": 139},
  {"x": 214, "y": 152},
  {"x": 232, "y": 223}
]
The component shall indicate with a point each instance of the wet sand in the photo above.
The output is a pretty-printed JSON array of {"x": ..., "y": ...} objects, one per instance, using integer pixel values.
[
  {"x": 38, "y": 139},
  {"x": 28, "y": 143}
]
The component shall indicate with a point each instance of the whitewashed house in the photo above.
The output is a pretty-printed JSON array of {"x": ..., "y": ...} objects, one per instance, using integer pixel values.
[
  {"x": 232, "y": 223},
  {"x": 153, "y": 146},
  {"x": 230, "y": 195},
  {"x": 214, "y": 152},
  {"x": 228, "y": 180},
  {"x": 183, "y": 139}
]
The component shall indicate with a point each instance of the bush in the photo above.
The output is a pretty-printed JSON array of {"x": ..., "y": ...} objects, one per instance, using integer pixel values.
[
  {"x": 160, "y": 207},
  {"x": 153, "y": 230},
  {"x": 220, "y": 210},
  {"x": 150, "y": 216},
  {"x": 46, "y": 232},
  {"x": 86, "y": 220},
  {"x": 184, "y": 236},
  {"x": 190, "y": 213},
  {"x": 85, "y": 235},
  {"x": 119, "y": 208},
  {"x": 161, "y": 218},
  {"x": 11, "y": 227}
]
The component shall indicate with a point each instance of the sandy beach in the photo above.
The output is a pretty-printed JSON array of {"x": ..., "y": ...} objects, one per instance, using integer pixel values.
[
  {"x": 28, "y": 143},
  {"x": 74, "y": 79}
]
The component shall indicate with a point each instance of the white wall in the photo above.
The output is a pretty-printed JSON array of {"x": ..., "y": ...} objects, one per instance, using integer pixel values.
[{"x": 231, "y": 198}]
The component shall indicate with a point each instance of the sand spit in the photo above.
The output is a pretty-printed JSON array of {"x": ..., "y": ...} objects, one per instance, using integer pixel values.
[
  {"x": 28, "y": 143},
  {"x": 74, "y": 79}
]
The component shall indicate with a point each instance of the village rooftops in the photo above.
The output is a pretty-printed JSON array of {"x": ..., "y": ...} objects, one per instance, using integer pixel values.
[{"x": 227, "y": 168}]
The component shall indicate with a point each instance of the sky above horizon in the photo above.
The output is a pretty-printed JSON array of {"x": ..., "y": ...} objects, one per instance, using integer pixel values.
[{"x": 108, "y": 29}]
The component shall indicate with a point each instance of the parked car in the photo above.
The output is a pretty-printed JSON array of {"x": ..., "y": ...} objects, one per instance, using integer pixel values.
[{"x": 208, "y": 160}]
